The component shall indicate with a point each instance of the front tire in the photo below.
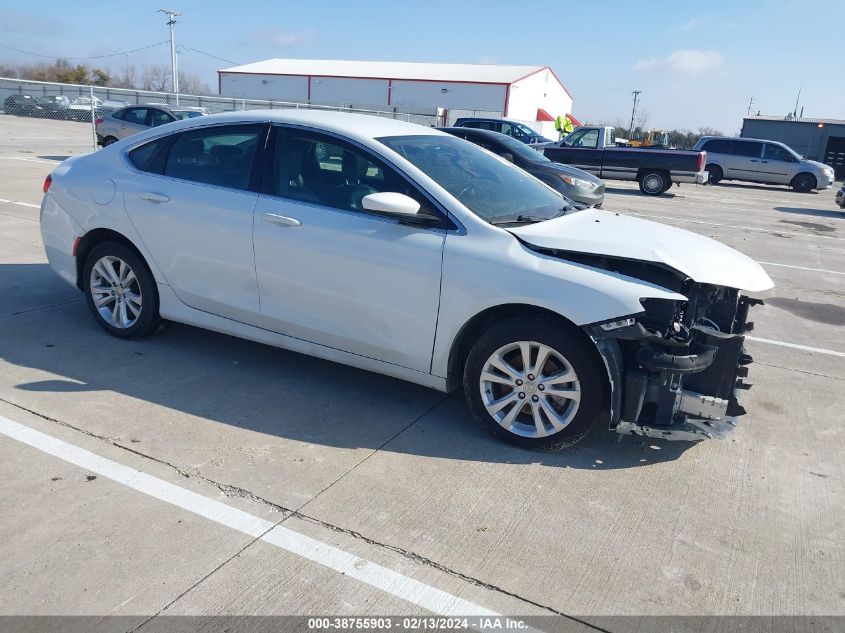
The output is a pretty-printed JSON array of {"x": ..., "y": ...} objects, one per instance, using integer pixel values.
[
  {"x": 714, "y": 174},
  {"x": 120, "y": 291},
  {"x": 654, "y": 183},
  {"x": 536, "y": 383},
  {"x": 804, "y": 183}
]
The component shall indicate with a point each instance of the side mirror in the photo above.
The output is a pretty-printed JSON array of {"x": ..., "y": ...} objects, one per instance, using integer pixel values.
[
  {"x": 397, "y": 205},
  {"x": 507, "y": 156}
]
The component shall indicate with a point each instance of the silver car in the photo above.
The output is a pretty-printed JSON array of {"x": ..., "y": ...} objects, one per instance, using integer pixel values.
[
  {"x": 769, "y": 162},
  {"x": 840, "y": 196},
  {"x": 128, "y": 121}
]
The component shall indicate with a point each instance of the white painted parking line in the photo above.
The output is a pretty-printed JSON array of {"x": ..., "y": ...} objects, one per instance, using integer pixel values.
[
  {"x": 815, "y": 270},
  {"x": 734, "y": 226},
  {"x": 389, "y": 581},
  {"x": 806, "y": 348},
  {"x": 23, "y": 204},
  {"x": 30, "y": 160}
]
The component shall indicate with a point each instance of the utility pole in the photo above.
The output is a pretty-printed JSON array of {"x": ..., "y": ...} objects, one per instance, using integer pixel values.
[
  {"x": 636, "y": 94},
  {"x": 797, "y": 99},
  {"x": 171, "y": 22},
  {"x": 750, "y": 104}
]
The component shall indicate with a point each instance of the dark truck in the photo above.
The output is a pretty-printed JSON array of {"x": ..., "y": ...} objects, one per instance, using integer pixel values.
[{"x": 594, "y": 150}]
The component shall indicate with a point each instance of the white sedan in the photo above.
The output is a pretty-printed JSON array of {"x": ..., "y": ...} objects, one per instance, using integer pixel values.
[{"x": 405, "y": 251}]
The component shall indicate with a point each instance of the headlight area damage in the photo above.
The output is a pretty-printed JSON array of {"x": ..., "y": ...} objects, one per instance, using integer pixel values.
[{"x": 675, "y": 368}]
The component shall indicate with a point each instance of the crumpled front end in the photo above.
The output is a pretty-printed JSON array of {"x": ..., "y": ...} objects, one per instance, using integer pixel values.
[{"x": 677, "y": 368}]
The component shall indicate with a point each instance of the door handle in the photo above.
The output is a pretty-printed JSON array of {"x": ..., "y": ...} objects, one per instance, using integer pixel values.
[
  {"x": 754, "y": 160},
  {"x": 281, "y": 220},
  {"x": 155, "y": 198}
]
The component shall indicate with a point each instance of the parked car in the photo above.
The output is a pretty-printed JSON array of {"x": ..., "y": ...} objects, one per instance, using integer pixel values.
[
  {"x": 419, "y": 256},
  {"x": 594, "y": 150},
  {"x": 54, "y": 107},
  {"x": 769, "y": 162},
  {"x": 21, "y": 105},
  {"x": 840, "y": 196},
  {"x": 128, "y": 121},
  {"x": 189, "y": 112},
  {"x": 517, "y": 130},
  {"x": 577, "y": 185},
  {"x": 80, "y": 108}
]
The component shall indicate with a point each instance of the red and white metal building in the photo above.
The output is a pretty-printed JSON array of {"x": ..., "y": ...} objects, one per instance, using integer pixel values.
[{"x": 524, "y": 93}]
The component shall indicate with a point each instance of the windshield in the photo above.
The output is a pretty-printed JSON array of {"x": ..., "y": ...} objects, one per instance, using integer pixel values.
[
  {"x": 518, "y": 148},
  {"x": 526, "y": 130},
  {"x": 489, "y": 186}
]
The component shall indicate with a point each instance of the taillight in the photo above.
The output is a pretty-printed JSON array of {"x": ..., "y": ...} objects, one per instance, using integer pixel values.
[
  {"x": 701, "y": 156},
  {"x": 98, "y": 121},
  {"x": 47, "y": 182}
]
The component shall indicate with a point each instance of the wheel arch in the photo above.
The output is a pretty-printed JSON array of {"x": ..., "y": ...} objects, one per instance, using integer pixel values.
[
  {"x": 480, "y": 322},
  {"x": 98, "y": 236}
]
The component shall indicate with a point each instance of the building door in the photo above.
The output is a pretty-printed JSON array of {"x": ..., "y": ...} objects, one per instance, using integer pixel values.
[{"x": 835, "y": 155}]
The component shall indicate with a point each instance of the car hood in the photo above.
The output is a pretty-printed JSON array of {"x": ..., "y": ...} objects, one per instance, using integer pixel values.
[
  {"x": 569, "y": 171},
  {"x": 604, "y": 233},
  {"x": 816, "y": 164}
]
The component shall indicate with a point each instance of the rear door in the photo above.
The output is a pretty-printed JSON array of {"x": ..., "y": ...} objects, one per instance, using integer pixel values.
[
  {"x": 778, "y": 165},
  {"x": 192, "y": 200},
  {"x": 744, "y": 161},
  {"x": 131, "y": 120}
]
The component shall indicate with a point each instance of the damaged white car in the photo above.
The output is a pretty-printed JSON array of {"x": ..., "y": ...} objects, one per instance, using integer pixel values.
[{"x": 412, "y": 253}]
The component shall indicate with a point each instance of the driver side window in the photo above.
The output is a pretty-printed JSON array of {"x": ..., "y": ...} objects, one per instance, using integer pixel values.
[{"x": 320, "y": 169}]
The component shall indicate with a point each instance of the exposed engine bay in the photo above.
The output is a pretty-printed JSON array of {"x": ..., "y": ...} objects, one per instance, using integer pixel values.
[{"x": 677, "y": 367}]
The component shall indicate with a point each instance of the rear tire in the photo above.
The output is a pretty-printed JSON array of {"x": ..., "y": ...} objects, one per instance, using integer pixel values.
[
  {"x": 654, "y": 183},
  {"x": 714, "y": 174},
  {"x": 120, "y": 291},
  {"x": 547, "y": 406},
  {"x": 109, "y": 140},
  {"x": 804, "y": 183}
]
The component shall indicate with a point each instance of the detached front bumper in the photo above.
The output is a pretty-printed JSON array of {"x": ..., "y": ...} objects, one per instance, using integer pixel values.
[{"x": 679, "y": 389}]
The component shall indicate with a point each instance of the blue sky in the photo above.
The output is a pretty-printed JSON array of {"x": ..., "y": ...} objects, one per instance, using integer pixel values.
[{"x": 697, "y": 63}]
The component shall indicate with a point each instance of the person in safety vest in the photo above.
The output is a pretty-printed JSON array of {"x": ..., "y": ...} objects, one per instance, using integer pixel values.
[{"x": 563, "y": 125}]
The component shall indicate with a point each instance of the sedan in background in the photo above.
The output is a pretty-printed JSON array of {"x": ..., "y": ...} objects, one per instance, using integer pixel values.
[
  {"x": 188, "y": 112},
  {"x": 128, "y": 121},
  {"x": 840, "y": 196},
  {"x": 405, "y": 251},
  {"x": 517, "y": 130},
  {"x": 582, "y": 188},
  {"x": 20, "y": 105}
]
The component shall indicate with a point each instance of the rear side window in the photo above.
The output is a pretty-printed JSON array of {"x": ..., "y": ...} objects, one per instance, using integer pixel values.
[
  {"x": 747, "y": 148},
  {"x": 150, "y": 157},
  {"x": 138, "y": 116},
  {"x": 219, "y": 156},
  {"x": 159, "y": 117},
  {"x": 718, "y": 146}
]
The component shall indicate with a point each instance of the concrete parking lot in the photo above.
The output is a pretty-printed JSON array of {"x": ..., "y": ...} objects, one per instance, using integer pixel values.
[{"x": 194, "y": 473}]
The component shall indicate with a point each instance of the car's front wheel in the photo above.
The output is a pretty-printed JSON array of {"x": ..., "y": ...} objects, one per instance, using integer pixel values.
[
  {"x": 804, "y": 183},
  {"x": 536, "y": 383},
  {"x": 120, "y": 290}
]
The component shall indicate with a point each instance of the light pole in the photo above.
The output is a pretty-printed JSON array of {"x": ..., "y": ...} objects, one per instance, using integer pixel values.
[
  {"x": 174, "y": 72},
  {"x": 636, "y": 94}
]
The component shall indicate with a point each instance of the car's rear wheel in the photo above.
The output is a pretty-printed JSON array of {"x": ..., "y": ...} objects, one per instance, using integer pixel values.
[
  {"x": 109, "y": 140},
  {"x": 804, "y": 183},
  {"x": 534, "y": 383},
  {"x": 120, "y": 290},
  {"x": 654, "y": 183},
  {"x": 714, "y": 174}
]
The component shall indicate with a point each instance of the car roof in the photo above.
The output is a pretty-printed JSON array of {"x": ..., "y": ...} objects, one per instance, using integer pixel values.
[
  {"x": 355, "y": 126},
  {"x": 737, "y": 138}
]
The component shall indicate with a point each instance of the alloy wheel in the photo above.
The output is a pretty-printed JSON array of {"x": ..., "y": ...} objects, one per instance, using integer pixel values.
[
  {"x": 116, "y": 292},
  {"x": 530, "y": 389}
]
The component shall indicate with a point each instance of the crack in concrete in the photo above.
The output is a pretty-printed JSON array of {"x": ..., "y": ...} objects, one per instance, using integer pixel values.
[{"x": 238, "y": 492}]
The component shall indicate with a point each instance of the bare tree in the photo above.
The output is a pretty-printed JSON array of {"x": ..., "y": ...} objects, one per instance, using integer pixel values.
[
  {"x": 190, "y": 83},
  {"x": 155, "y": 78}
]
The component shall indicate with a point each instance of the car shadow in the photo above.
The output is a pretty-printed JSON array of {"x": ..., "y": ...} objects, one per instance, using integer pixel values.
[
  {"x": 225, "y": 380},
  {"x": 821, "y": 213},
  {"x": 619, "y": 191},
  {"x": 748, "y": 185},
  {"x": 58, "y": 158}
]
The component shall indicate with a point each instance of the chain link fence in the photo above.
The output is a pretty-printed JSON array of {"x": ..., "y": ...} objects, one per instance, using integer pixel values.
[{"x": 83, "y": 105}]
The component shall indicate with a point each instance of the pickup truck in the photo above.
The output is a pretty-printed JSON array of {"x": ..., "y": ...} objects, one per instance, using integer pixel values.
[{"x": 594, "y": 150}]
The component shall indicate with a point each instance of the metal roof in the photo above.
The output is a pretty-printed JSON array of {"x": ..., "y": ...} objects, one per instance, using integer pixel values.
[
  {"x": 798, "y": 120},
  {"x": 476, "y": 73}
]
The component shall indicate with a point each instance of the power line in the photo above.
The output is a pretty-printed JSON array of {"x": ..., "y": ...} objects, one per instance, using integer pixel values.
[
  {"x": 135, "y": 50},
  {"x": 222, "y": 59}
]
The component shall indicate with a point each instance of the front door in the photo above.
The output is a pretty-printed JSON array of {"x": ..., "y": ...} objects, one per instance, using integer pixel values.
[
  {"x": 195, "y": 216},
  {"x": 778, "y": 165},
  {"x": 332, "y": 273}
]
